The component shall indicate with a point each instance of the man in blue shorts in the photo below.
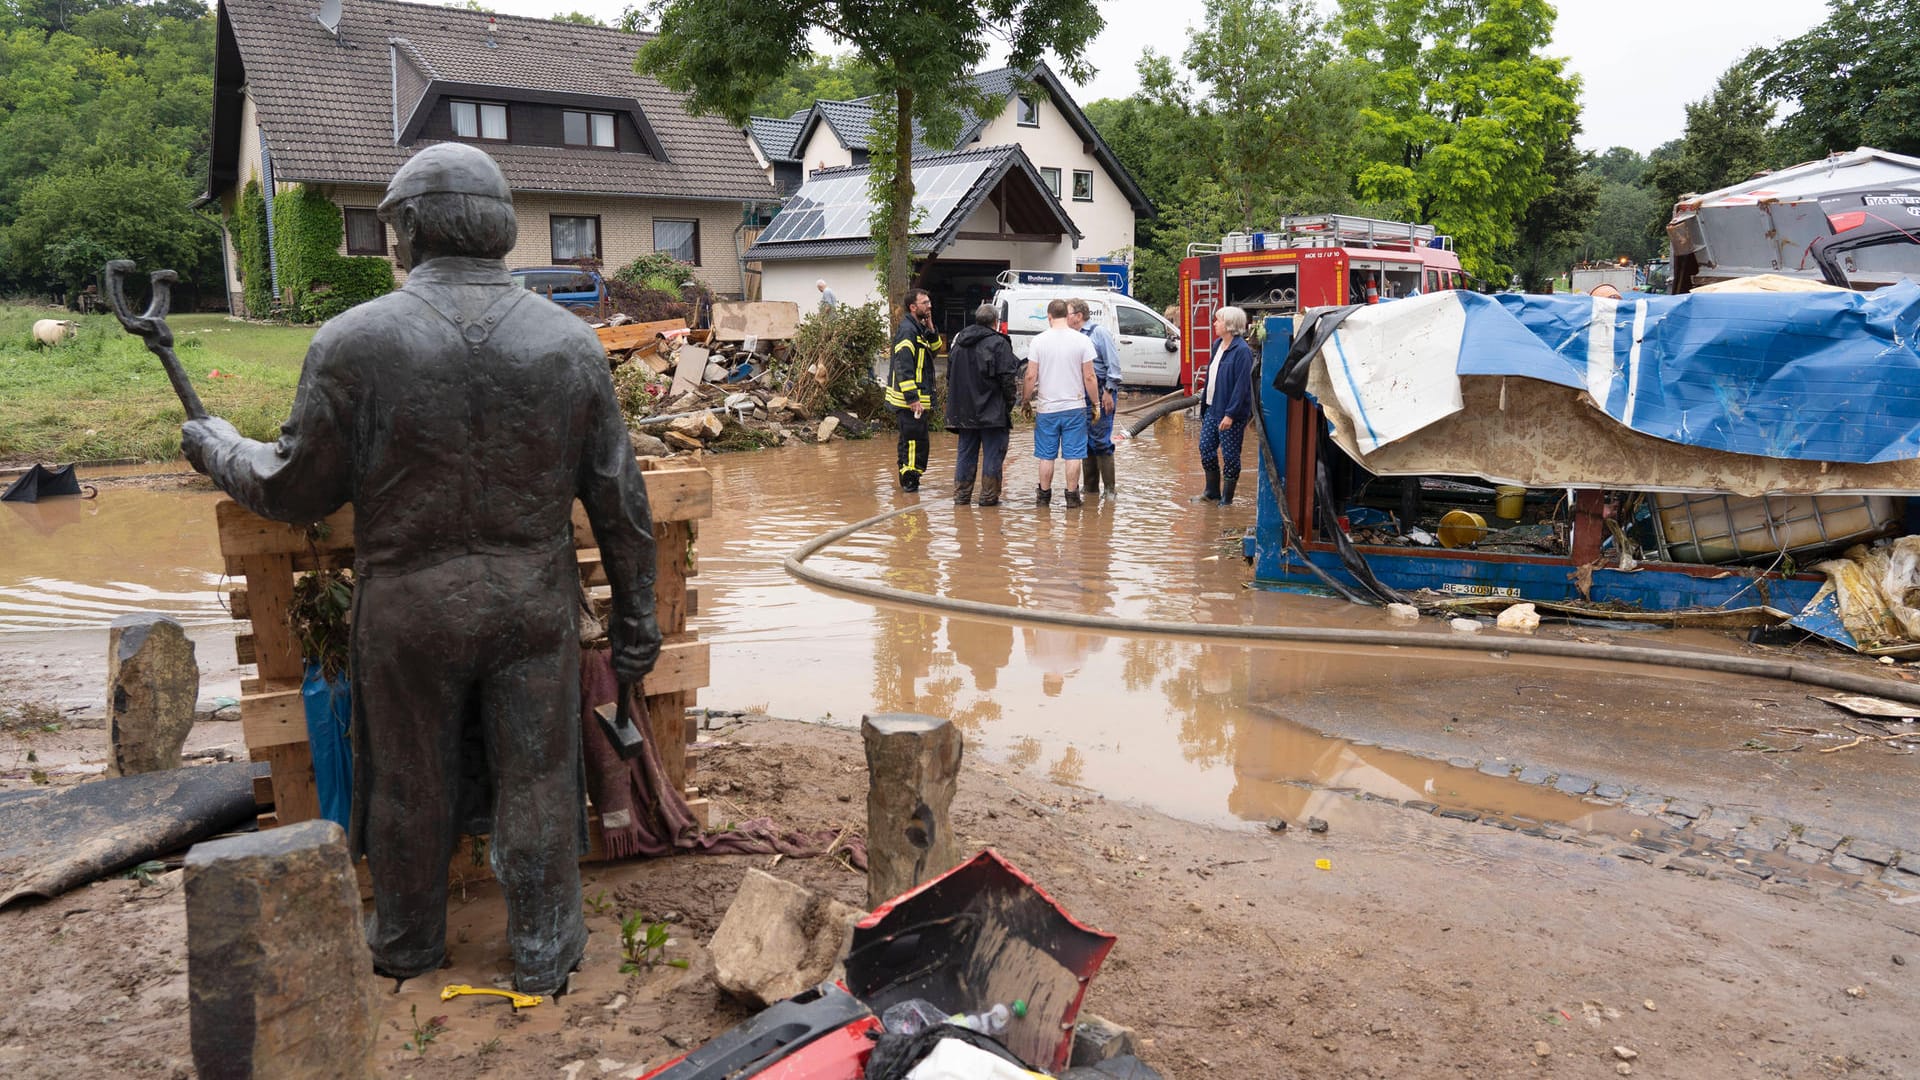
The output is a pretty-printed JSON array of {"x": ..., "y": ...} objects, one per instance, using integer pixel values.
[{"x": 1060, "y": 383}]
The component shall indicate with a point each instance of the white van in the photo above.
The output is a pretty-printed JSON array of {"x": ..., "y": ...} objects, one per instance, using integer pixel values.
[{"x": 1149, "y": 346}]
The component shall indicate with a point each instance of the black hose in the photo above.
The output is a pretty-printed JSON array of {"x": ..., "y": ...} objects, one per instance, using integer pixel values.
[
  {"x": 1160, "y": 409},
  {"x": 1290, "y": 536},
  {"x": 1756, "y": 667},
  {"x": 1350, "y": 556}
]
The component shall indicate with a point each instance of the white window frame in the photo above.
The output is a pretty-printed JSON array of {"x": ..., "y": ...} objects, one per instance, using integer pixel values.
[
  {"x": 1077, "y": 174},
  {"x": 1050, "y": 177},
  {"x": 1026, "y": 110}
]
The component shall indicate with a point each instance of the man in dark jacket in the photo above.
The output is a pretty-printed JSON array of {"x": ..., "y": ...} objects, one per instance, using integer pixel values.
[
  {"x": 983, "y": 383},
  {"x": 910, "y": 384}
]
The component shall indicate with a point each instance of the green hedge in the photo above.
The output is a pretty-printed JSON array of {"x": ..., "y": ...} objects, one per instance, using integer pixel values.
[
  {"x": 248, "y": 227},
  {"x": 317, "y": 280}
]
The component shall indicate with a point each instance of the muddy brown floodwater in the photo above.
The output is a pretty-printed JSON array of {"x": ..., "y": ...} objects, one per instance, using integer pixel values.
[{"x": 1206, "y": 731}]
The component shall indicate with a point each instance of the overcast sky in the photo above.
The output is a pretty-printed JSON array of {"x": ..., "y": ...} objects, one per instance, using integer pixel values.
[{"x": 1640, "y": 61}]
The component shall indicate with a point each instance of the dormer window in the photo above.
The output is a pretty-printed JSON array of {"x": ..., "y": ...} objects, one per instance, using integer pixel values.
[
  {"x": 588, "y": 129},
  {"x": 1028, "y": 114},
  {"x": 480, "y": 120}
]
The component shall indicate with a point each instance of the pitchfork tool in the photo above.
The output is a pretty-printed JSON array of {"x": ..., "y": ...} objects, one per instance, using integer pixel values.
[{"x": 151, "y": 326}]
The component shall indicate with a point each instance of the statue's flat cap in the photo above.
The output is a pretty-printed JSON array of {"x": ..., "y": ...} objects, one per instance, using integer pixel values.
[{"x": 448, "y": 168}]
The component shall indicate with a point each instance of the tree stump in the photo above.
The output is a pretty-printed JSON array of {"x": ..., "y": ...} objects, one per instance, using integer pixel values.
[{"x": 913, "y": 766}]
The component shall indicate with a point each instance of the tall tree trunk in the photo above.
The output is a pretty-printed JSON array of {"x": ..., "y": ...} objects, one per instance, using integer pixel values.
[{"x": 899, "y": 253}]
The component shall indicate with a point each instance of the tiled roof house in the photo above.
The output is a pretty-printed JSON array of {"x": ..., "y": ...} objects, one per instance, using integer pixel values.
[
  {"x": 812, "y": 155},
  {"x": 604, "y": 163}
]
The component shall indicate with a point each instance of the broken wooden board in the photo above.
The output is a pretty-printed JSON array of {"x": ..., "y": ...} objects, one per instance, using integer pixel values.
[
  {"x": 765, "y": 320},
  {"x": 690, "y": 371},
  {"x": 1862, "y": 705},
  {"x": 643, "y": 335}
]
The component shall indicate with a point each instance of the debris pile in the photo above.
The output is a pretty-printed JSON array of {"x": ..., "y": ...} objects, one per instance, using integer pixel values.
[{"x": 757, "y": 376}]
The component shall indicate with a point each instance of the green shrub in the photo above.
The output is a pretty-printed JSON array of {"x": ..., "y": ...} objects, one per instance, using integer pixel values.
[
  {"x": 318, "y": 281},
  {"x": 659, "y": 272},
  {"x": 248, "y": 227},
  {"x": 834, "y": 349}
]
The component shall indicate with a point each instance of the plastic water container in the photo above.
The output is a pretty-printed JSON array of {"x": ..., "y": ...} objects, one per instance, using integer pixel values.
[{"x": 1729, "y": 528}]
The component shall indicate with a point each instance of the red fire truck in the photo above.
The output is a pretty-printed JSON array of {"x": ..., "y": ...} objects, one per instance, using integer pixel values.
[{"x": 1318, "y": 261}]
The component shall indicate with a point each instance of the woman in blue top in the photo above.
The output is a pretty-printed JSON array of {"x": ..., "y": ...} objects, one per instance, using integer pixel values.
[{"x": 1226, "y": 405}]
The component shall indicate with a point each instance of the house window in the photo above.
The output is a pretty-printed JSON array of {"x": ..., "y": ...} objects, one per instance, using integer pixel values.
[
  {"x": 575, "y": 238},
  {"x": 587, "y": 129},
  {"x": 1052, "y": 178},
  {"x": 366, "y": 233},
  {"x": 680, "y": 237},
  {"x": 1083, "y": 185},
  {"x": 1029, "y": 112},
  {"x": 480, "y": 120}
]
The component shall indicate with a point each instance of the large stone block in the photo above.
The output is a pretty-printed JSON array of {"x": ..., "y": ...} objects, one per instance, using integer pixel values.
[
  {"x": 778, "y": 938},
  {"x": 277, "y": 963},
  {"x": 153, "y": 682},
  {"x": 913, "y": 768}
]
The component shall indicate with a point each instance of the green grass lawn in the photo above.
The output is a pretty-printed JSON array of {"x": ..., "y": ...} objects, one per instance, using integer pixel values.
[{"x": 103, "y": 395}]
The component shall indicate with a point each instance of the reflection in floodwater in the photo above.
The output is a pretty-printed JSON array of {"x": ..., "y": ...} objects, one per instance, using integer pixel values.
[{"x": 1196, "y": 729}]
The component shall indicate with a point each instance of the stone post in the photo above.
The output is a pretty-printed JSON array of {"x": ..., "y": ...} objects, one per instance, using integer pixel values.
[
  {"x": 277, "y": 963},
  {"x": 913, "y": 765},
  {"x": 153, "y": 683}
]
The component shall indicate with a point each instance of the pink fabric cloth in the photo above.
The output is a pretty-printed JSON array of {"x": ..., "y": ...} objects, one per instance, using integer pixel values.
[{"x": 643, "y": 814}]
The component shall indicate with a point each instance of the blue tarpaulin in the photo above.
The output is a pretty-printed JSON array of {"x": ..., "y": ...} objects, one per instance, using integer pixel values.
[{"x": 1811, "y": 376}]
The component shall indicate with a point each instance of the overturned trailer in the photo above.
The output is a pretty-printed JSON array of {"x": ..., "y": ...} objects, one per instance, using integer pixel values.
[
  {"x": 1742, "y": 458},
  {"x": 1851, "y": 220}
]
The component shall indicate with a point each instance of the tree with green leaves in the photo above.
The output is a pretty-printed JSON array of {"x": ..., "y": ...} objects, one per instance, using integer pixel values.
[
  {"x": 1727, "y": 139},
  {"x": 1276, "y": 108},
  {"x": 1628, "y": 220},
  {"x": 820, "y": 77},
  {"x": 726, "y": 54},
  {"x": 1855, "y": 77},
  {"x": 1551, "y": 229},
  {"x": 1465, "y": 109}
]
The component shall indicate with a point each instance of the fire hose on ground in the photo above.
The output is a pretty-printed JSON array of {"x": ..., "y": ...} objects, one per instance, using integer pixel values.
[{"x": 1756, "y": 667}]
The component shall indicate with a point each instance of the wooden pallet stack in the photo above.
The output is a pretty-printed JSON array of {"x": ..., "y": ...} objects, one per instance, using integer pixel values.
[{"x": 266, "y": 555}]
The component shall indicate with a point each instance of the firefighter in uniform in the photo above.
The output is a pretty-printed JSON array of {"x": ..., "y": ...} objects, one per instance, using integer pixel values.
[{"x": 910, "y": 384}]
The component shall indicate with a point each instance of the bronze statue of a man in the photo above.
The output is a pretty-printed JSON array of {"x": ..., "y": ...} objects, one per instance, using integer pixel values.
[{"x": 461, "y": 416}]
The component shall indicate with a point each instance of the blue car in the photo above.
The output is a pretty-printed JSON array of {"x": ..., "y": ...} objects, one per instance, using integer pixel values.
[{"x": 568, "y": 286}]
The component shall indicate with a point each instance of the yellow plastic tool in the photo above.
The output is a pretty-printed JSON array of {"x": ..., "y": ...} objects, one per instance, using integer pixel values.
[{"x": 520, "y": 1001}]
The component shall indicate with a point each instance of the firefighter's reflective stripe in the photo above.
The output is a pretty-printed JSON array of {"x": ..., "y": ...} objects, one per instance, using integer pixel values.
[{"x": 903, "y": 394}]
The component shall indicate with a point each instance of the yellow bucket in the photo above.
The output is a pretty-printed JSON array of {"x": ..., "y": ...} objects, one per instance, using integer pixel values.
[
  {"x": 1460, "y": 528},
  {"x": 1509, "y": 501}
]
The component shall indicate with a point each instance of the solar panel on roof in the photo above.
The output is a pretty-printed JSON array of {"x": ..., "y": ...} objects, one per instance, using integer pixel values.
[{"x": 837, "y": 207}]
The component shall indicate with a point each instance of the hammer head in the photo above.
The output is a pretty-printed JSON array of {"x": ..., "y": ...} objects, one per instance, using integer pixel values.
[
  {"x": 616, "y": 721},
  {"x": 152, "y": 323}
]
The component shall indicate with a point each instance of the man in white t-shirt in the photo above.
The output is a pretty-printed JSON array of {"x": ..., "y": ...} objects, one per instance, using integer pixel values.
[{"x": 1060, "y": 382}]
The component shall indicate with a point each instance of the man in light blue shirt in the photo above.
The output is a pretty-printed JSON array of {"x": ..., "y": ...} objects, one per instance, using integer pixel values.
[{"x": 1106, "y": 373}]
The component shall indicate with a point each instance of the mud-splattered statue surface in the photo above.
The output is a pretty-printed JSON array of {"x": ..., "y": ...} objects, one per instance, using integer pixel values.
[{"x": 461, "y": 416}]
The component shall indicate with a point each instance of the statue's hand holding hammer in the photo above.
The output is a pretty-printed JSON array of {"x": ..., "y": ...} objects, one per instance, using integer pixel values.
[
  {"x": 200, "y": 438},
  {"x": 636, "y": 646}
]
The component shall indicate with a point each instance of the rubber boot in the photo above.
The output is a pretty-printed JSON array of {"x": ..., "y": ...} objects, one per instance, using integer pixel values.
[
  {"x": 1212, "y": 494},
  {"x": 1226, "y": 489},
  {"x": 1090, "y": 475},
  {"x": 963, "y": 494},
  {"x": 1042, "y": 496},
  {"x": 1073, "y": 497},
  {"x": 1106, "y": 471},
  {"x": 989, "y": 491}
]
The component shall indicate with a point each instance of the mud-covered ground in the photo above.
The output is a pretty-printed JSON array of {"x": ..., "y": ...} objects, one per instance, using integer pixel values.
[{"x": 1431, "y": 947}]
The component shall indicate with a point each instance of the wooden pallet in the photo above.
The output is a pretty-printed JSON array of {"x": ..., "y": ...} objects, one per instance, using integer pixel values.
[{"x": 266, "y": 556}]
